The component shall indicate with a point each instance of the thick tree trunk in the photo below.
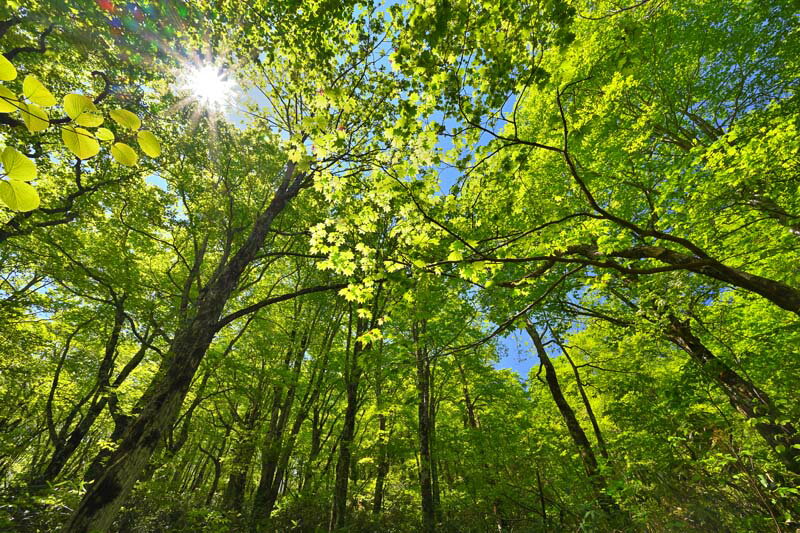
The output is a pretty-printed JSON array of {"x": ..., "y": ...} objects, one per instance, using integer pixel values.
[
  {"x": 746, "y": 398},
  {"x": 101, "y": 503}
]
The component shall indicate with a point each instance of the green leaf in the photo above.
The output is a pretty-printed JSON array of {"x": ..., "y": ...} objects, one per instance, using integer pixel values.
[
  {"x": 7, "y": 70},
  {"x": 8, "y": 100},
  {"x": 18, "y": 195},
  {"x": 17, "y": 166},
  {"x": 76, "y": 104},
  {"x": 126, "y": 119},
  {"x": 35, "y": 118},
  {"x": 455, "y": 255},
  {"x": 124, "y": 154},
  {"x": 104, "y": 134},
  {"x": 80, "y": 142},
  {"x": 89, "y": 120},
  {"x": 37, "y": 93},
  {"x": 149, "y": 143}
]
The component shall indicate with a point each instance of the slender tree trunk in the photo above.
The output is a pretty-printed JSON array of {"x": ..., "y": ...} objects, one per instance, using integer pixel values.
[
  {"x": 65, "y": 448},
  {"x": 352, "y": 378},
  {"x": 573, "y": 426},
  {"x": 233, "y": 497},
  {"x": 101, "y": 503},
  {"x": 272, "y": 451},
  {"x": 382, "y": 451},
  {"x": 601, "y": 442},
  {"x": 424, "y": 409},
  {"x": 746, "y": 398}
]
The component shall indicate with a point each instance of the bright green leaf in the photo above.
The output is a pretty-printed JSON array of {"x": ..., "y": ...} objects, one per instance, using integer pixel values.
[
  {"x": 7, "y": 70},
  {"x": 126, "y": 119},
  {"x": 17, "y": 166},
  {"x": 75, "y": 104},
  {"x": 35, "y": 118},
  {"x": 18, "y": 195},
  {"x": 104, "y": 134},
  {"x": 124, "y": 154},
  {"x": 36, "y": 92},
  {"x": 149, "y": 143},
  {"x": 80, "y": 142},
  {"x": 8, "y": 100},
  {"x": 89, "y": 120}
]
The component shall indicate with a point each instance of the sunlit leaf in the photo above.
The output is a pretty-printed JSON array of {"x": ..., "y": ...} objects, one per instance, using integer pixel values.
[
  {"x": 8, "y": 100},
  {"x": 126, "y": 119},
  {"x": 89, "y": 120},
  {"x": 35, "y": 118},
  {"x": 18, "y": 195},
  {"x": 17, "y": 166},
  {"x": 75, "y": 104},
  {"x": 80, "y": 142},
  {"x": 104, "y": 134},
  {"x": 7, "y": 70},
  {"x": 37, "y": 93},
  {"x": 124, "y": 154},
  {"x": 149, "y": 143}
]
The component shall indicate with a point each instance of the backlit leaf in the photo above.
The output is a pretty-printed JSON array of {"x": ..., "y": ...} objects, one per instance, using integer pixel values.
[
  {"x": 7, "y": 70},
  {"x": 35, "y": 118},
  {"x": 104, "y": 134},
  {"x": 126, "y": 119},
  {"x": 80, "y": 142},
  {"x": 17, "y": 166},
  {"x": 149, "y": 143},
  {"x": 37, "y": 93},
  {"x": 124, "y": 154},
  {"x": 8, "y": 100},
  {"x": 18, "y": 195},
  {"x": 75, "y": 104},
  {"x": 89, "y": 120}
]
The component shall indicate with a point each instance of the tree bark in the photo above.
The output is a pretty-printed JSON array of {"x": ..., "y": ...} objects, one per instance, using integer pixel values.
[
  {"x": 574, "y": 428},
  {"x": 65, "y": 448},
  {"x": 352, "y": 378},
  {"x": 745, "y": 397},
  {"x": 102, "y": 501},
  {"x": 424, "y": 408}
]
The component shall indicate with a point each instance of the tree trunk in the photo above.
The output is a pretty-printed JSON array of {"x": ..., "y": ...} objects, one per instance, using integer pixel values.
[
  {"x": 352, "y": 379},
  {"x": 746, "y": 398},
  {"x": 424, "y": 433},
  {"x": 573, "y": 426},
  {"x": 102, "y": 501},
  {"x": 65, "y": 448},
  {"x": 601, "y": 442}
]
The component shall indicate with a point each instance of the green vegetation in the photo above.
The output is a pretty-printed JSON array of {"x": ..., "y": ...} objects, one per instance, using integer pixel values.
[{"x": 259, "y": 262}]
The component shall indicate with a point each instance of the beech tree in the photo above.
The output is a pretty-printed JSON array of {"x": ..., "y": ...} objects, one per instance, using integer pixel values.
[{"x": 263, "y": 267}]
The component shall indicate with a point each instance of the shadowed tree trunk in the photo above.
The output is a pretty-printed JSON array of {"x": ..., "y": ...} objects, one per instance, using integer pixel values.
[
  {"x": 65, "y": 447},
  {"x": 574, "y": 428},
  {"x": 101, "y": 503},
  {"x": 750, "y": 401},
  {"x": 425, "y": 428},
  {"x": 352, "y": 377}
]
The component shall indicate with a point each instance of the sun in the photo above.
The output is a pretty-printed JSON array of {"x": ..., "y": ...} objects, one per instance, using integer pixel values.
[{"x": 208, "y": 86}]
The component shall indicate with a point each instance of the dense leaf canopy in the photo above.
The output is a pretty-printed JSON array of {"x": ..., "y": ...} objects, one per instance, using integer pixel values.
[{"x": 260, "y": 263}]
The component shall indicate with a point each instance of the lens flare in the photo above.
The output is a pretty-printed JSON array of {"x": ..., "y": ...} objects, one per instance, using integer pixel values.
[{"x": 209, "y": 86}]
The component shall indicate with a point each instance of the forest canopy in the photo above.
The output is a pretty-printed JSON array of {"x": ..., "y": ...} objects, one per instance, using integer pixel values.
[{"x": 260, "y": 263}]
